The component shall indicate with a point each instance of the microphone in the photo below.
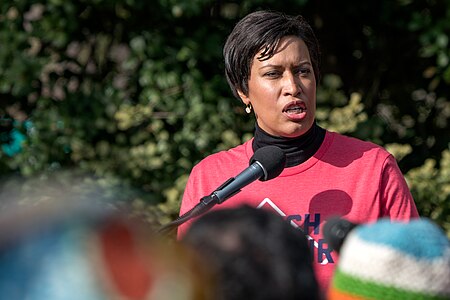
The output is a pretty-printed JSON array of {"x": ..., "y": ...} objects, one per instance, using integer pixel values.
[
  {"x": 266, "y": 163},
  {"x": 336, "y": 230}
]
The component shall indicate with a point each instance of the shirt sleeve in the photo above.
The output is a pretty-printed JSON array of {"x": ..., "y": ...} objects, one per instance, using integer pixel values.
[
  {"x": 397, "y": 201},
  {"x": 186, "y": 204}
]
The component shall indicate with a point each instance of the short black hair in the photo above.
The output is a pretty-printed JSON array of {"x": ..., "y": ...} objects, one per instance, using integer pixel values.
[
  {"x": 262, "y": 31},
  {"x": 256, "y": 254}
]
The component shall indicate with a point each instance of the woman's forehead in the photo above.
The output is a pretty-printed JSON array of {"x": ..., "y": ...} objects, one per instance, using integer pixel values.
[{"x": 269, "y": 51}]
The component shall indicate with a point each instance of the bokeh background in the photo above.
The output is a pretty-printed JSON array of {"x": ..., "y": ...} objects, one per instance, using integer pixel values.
[{"x": 132, "y": 93}]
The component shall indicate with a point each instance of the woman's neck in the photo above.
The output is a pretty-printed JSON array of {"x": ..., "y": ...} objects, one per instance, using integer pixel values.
[{"x": 297, "y": 150}]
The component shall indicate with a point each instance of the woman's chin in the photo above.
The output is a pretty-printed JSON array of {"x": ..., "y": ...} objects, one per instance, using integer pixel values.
[{"x": 297, "y": 130}]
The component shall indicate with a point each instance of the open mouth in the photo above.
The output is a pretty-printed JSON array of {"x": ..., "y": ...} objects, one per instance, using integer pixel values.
[{"x": 296, "y": 107}]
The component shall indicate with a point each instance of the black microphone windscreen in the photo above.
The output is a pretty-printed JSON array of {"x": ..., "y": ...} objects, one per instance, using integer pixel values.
[
  {"x": 335, "y": 231},
  {"x": 272, "y": 159}
]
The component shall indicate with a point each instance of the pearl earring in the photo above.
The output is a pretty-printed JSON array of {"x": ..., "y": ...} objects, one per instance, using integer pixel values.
[{"x": 248, "y": 109}]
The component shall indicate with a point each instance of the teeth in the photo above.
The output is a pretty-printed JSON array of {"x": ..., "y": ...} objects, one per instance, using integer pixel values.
[{"x": 295, "y": 110}]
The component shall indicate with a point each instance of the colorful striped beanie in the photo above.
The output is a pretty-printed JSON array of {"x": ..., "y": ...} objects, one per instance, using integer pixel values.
[{"x": 393, "y": 260}]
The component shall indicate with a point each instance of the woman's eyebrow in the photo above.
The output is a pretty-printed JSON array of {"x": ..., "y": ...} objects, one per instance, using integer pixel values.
[{"x": 302, "y": 63}]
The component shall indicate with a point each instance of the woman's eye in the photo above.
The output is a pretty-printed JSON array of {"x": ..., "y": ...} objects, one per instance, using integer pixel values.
[
  {"x": 272, "y": 74},
  {"x": 303, "y": 71}
]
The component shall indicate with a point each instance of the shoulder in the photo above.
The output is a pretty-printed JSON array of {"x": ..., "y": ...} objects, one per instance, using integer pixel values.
[
  {"x": 352, "y": 144},
  {"x": 350, "y": 149},
  {"x": 231, "y": 157}
]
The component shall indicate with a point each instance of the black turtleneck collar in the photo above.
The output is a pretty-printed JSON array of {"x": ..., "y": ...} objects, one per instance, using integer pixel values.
[{"x": 297, "y": 150}]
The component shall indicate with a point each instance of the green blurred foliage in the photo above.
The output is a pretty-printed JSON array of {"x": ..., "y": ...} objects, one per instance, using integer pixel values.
[
  {"x": 432, "y": 182},
  {"x": 133, "y": 91}
]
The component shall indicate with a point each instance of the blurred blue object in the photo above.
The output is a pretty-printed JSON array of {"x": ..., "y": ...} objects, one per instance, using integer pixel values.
[
  {"x": 15, "y": 145},
  {"x": 49, "y": 264}
]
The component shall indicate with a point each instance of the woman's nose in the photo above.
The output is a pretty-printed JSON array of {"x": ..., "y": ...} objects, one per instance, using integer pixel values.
[{"x": 292, "y": 85}]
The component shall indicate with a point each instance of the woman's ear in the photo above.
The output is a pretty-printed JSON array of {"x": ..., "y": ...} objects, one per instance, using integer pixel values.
[{"x": 243, "y": 97}]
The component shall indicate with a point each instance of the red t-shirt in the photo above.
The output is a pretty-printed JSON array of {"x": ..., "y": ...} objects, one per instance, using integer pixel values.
[{"x": 357, "y": 180}]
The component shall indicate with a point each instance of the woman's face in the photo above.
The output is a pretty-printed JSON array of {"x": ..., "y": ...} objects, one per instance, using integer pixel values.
[{"x": 282, "y": 90}]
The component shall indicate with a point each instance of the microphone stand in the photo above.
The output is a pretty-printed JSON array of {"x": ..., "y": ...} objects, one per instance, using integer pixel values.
[{"x": 205, "y": 204}]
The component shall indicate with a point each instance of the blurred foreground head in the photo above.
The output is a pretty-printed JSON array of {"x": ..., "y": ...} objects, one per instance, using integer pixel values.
[
  {"x": 78, "y": 247},
  {"x": 396, "y": 260},
  {"x": 256, "y": 254}
]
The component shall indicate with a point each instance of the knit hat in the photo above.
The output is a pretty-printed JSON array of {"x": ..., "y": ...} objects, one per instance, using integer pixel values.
[{"x": 393, "y": 260}]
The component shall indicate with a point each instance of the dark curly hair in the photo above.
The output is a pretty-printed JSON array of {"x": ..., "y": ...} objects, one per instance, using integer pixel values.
[{"x": 256, "y": 254}]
